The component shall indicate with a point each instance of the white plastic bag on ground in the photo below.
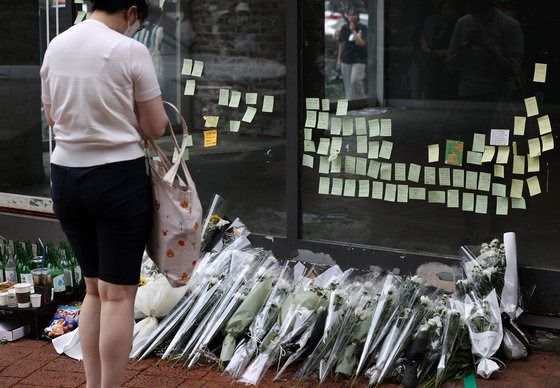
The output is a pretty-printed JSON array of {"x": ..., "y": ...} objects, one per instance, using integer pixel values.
[{"x": 69, "y": 344}]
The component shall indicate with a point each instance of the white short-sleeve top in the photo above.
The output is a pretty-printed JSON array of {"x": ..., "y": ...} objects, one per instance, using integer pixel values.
[{"x": 91, "y": 76}]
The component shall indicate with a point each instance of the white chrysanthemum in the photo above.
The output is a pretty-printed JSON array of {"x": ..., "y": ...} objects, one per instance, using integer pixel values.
[
  {"x": 275, "y": 304},
  {"x": 423, "y": 328},
  {"x": 222, "y": 222},
  {"x": 213, "y": 280},
  {"x": 416, "y": 279},
  {"x": 261, "y": 272},
  {"x": 489, "y": 271},
  {"x": 283, "y": 285},
  {"x": 342, "y": 294},
  {"x": 432, "y": 322},
  {"x": 391, "y": 290},
  {"x": 424, "y": 300},
  {"x": 239, "y": 295}
]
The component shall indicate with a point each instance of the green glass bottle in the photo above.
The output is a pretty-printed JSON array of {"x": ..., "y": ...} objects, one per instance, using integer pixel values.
[
  {"x": 2, "y": 269},
  {"x": 25, "y": 271},
  {"x": 59, "y": 286},
  {"x": 11, "y": 267}
]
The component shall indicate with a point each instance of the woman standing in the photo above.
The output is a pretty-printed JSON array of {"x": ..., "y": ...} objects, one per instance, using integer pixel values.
[{"x": 99, "y": 90}]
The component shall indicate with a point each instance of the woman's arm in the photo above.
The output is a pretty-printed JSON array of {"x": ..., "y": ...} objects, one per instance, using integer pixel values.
[
  {"x": 152, "y": 117},
  {"x": 47, "y": 109}
]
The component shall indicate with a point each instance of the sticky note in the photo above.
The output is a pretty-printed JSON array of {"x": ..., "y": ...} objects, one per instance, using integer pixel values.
[
  {"x": 502, "y": 206},
  {"x": 336, "y": 165},
  {"x": 337, "y": 185},
  {"x": 533, "y": 164},
  {"x": 547, "y": 142},
  {"x": 249, "y": 114},
  {"x": 518, "y": 203},
  {"x": 433, "y": 153},
  {"x": 417, "y": 193},
  {"x": 531, "y": 106},
  {"x": 436, "y": 196},
  {"x": 534, "y": 186},
  {"x": 519, "y": 125},
  {"x": 350, "y": 188},
  {"x": 347, "y": 126},
  {"x": 361, "y": 126},
  {"x": 324, "y": 185},
  {"x": 484, "y": 181},
  {"x": 373, "y": 150},
  {"x": 336, "y": 144},
  {"x": 363, "y": 188},
  {"x": 481, "y": 204},
  {"x": 268, "y": 105},
  {"x": 312, "y": 103},
  {"x": 234, "y": 125},
  {"x": 474, "y": 157},
  {"x": 308, "y": 146},
  {"x": 386, "y": 127},
  {"x": 429, "y": 175},
  {"x": 453, "y": 198},
  {"x": 534, "y": 147},
  {"x": 307, "y": 133},
  {"x": 373, "y": 169},
  {"x": 400, "y": 171},
  {"x": 488, "y": 154},
  {"x": 516, "y": 189},
  {"x": 211, "y": 121},
  {"x": 342, "y": 107},
  {"x": 325, "y": 103},
  {"x": 544, "y": 125},
  {"x": 79, "y": 17},
  {"x": 374, "y": 127},
  {"x": 540, "y": 72},
  {"x": 503, "y": 155},
  {"x": 386, "y": 149},
  {"x": 519, "y": 164},
  {"x": 250, "y": 98},
  {"x": 499, "y": 171},
  {"x": 444, "y": 177},
  {"x": 323, "y": 120},
  {"x": 323, "y": 148},
  {"x": 310, "y": 119},
  {"x": 187, "y": 66},
  {"x": 224, "y": 97},
  {"x": 361, "y": 144},
  {"x": 386, "y": 171},
  {"x": 189, "y": 141},
  {"x": 235, "y": 99},
  {"x": 458, "y": 178},
  {"x": 197, "y": 68},
  {"x": 361, "y": 166},
  {"x": 307, "y": 161},
  {"x": 414, "y": 172},
  {"x": 468, "y": 202},
  {"x": 471, "y": 180},
  {"x": 478, "y": 142},
  {"x": 499, "y": 137},
  {"x": 175, "y": 155},
  {"x": 336, "y": 126},
  {"x": 377, "y": 190},
  {"x": 514, "y": 147},
  {"x": 210, "y": 138},
  {"x": 499, "y": 189},
  {"x": 390, "y": 192},
  {"x": 78, "y": 1},
  {"x": 402, "y": 193},
  {"x": 324, "y": 165},
  {"x": 190, "y": 86},
  {"x": 350, "y": 165}
]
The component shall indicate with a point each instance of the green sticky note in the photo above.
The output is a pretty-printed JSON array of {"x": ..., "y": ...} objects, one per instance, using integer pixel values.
[
  {"x": 363, "y": 190},
  {"x": 336, "y": 165},
  {"x": 385, "y": 171},
  {"x": 474, "y": 157},
  {"x": 337, "y": 185},
  {"x": 336, "y": 126},
  {"x": 249, "y": 114},
  {"x": 400, "y": 171},
  {"x": 336, "y": 144},
  {"x": 312, "y": 103},
  {"x": 190, "y": 86},
  {"x": 453, "y": 199},
  {"x": 472, "y": 180},
  {"x": 187, "y": 66},
  {"x": 362, "y": 144},
  {"x": 469, "y": 381},
  {"x": 498, "y": 189},
  {"x": 516, "y": 189},
  {"x": 458, "y": 178},
  {"x": 324, "y": 185},
  {"x": 436, "y": 196},
  {"x": 484, "y": 181},
  {"x": 502, "y": 206},
  {"x": 361, "y": 126},
  {"x": 481, "y": 204},
  {"x": 414, "y": 172},
  {"x": 374, "y": 127},
  {"x": 386, "y": 149},
  {"x": 377, "y": 190},
  {"x": 197, "y": 68},
  {"x": 361, "y": 166},
  {"x": 323, "y": 148},
  {"x": 533, "y": 185},
  {"x": 268, "y": 104},
  {"x": 224, "y": 97},
  {"x": 308, "y": 146},
  {"x": 468, "y": 202},
  {"x": 350, "y": 188},
  {"x": 157, "y": 158},
  {"x": 311, "y": 119},
  {"x": 386, "y": 127},
  {"x": 418, "y": 193},
  {"x": 347, "y": 126},
  {"x": 234, "y": 125},
  {"x": 79, "y": 17},
  {"x": 342, "y": 107},
  {"x": 390, "y": 192},
  {"x": 518, "y": 203},
  {"x": 479, "y": 140},
  {"x": 373, "y": 150},
  {"x": 499, "y": 171},
  {"x": 307, "y": 161},
  {"x": 445, "y": 177},
  {"x": 307, "y": 133},
  {"x": 373, "y": 169},
  {"x": 250, "y": 98},
  {"x": 429, "y": 175},
  {"x": 350, "y": 165},
  {"x": 235, "y": 99},
  {"x": 175, "y": 155},
  {"x": 323, "y": 120},
  {"x": 325, "y": 104},
  {"x": 402, "y": 193},
  {"x": 324, "y": 165},
  {"x": 189, "y": 141}
]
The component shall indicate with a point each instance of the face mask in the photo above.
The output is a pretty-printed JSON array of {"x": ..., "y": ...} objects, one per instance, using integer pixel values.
[{"x": 132, "y": 28}]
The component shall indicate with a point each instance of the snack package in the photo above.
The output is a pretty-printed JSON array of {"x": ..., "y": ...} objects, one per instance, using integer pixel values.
[{"x": 65, "y": 319}]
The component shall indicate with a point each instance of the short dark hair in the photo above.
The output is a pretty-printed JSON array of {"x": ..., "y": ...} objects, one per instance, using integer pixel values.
[{"x": 114, "y": 6}]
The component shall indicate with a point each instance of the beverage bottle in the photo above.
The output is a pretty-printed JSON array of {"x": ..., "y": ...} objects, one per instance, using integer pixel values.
[
  {"x": 25, "y": 270},
  {"x": 2, "y": 268},
  {"x": 11, "y": 267},
  {"x": 59, "y": 286},
  {"x": 77, "y": 270}
]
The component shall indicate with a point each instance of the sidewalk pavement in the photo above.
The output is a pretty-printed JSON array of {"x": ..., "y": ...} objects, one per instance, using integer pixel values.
[{"x": 34, "y": 363}]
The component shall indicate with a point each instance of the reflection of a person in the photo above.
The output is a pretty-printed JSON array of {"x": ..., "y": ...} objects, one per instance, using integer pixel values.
[
  {"x": 352, "y": 55},
  {"x": 152, "y": 35},
  {"x": 486, "y": 49},
  {"x": 244, "y": 41}
]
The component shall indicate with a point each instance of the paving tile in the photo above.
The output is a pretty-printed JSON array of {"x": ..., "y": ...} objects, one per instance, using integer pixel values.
[
  {"x": 21, "y": 369},
  {"x": 66, "y": 364},
  {"x": 130, "y": 374},
  {"x": 12, "y": 353},
  {"x": 51, "y": 378},
  {"x": 9, "y": 381},
  {"x": 146, "y": 380}
]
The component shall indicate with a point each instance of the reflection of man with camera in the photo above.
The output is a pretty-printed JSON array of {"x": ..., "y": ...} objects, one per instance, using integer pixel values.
[{"x": 352, "y": 55}]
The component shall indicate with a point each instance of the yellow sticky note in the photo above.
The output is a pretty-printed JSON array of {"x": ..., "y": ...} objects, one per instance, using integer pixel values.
[
  {"x": 385, "y": 172},
  {"x": 336, "y": 126},
  {"x": 350, "y": 188},
  {"x": 374, "y": 129},
  {"x": 502, "y": 206},
  {"x": 484, "y": 181},
  {"x": 198, "y": 66},
  {"x": 211, "y": 121},
  {"x": 436, "y": 196},
  {"x": 325, "y": 104},
  {"x": 386, "y": 127},
  {"x": 268, "y": 104},
  {"x": 402, "y": 193},
  {"x": 445, "y": 176},
  {"x": 533, "y": 164},
  {"x": 361, "y": 144},
  {"x": 250, "y": 98},
  {"x": 210, "y": 138},
  {"x": 429, "y": 175},
  {"x": 377, "y": 190},
  {"x": 361, "y": 166},
  {"x": 414, "y": 172},
  {"x": 312, "y": 103},
  {"x": 481, "y": 204},
  {"x": 433, "y": 153},
  {"x": 323, "y": 120},
  {"x": 514, "y": 147},
  {"x": 190, "y": 86},
  {"x": 390, "y": 192},
  {"x": 503, "y": 155},
  {"x": 540, "y": 72},
  {"x": 534, "y": 146},
  {"x": 516, "y": 190},
  {"x": 363, "y": 190},
  {"x": 544, "y": 124},
  {"x": 488, "y": 154},
  {"x": 350, "y": 165},
  {"x": 519, "y": 125},
  {"x": 468, "y": 202},
  {"x": 361, "y": 126},
  {"x": 547, "y": 142},
  {"x": 400, "y": 171},
  {"x": 534, "y": 186},
  {"x": 342, "y": 107},
  {"x": 458, "y": 178},
  {"x": 307, "y": 161},
  {"x": 453, "y": 198},
  {"x": 418, "y": 193},
  {"x": 519, "y": 164},
  {"x": 224, "y": 97},
  {"x": 234, "y": 125},
  {"x": 235, "y": 99},
  {"x": 337, "y": 185},
  {"x": 386, "y": 149},
  {"x": 187, "y": 66},
  {"x": 373, "y": 169},
  {"x": 324, "y": 185},
  {"x": 323, "y": 148},
  {"x": 249, "y": 114},
  {"x": 531, "y": 106},
  {"x": 79, "y": 17},
  {"x": 324, "y": 165},
  {"x": 499, "y": 171}
]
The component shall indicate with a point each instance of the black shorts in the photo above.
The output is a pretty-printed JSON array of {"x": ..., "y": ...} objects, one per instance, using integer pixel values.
[{"x": 106, "y": 213}]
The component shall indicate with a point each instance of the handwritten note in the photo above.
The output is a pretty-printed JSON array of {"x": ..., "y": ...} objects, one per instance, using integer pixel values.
[
  {"x": 502, "y": 206},
  {"x": 533, "y": 185},
  {"x": 474, "y": 157},
  {"x": 453, "y": 198},
  {"x": 468, "y": 202},
  {"x": 361, "y": 166},
  {"x": 386, "y": 171},
  {"x": 390, "y": 192},
  {"x": 361, "y": 126},
  {"x": 374, "y": 128},
  {"x": 533, "y": 164},
  {"x": 488, "y": 154},
  {"x": 498, "y": 189},
  {"x": 418, "y": 193},
  {"x": 433, "y": 153},
  {"x": 445, "y": 177},
  {"x": 337, "y": 185},
  {"x": 503, "y": 155},
  {"x": 373, "y": 150},
  {"x": 324, "y": 165},
  {"x": 373, "y": 169},
  {"x": 336, "y": 166},
  {"x": 471, "y": 180},
  {"x": 400, "y": 171},
  {"x": 347, "y": 126},
  {"x": 544, "y": 125},
  {"x": 198, "y": 66},
  {"x": 516, "y": 189},
  {"x": 342, "y": 107},
  {"x": 312, "y": 103},
  {"x": 540, "y": 72},
  {"x": 436, "y": 196},
  {"x": 478, "y": 142},
  {"x": 484, "y": 181},
  {"x": 235, "y": 99},
  {"x": 187, "y": 66},
  {"x": 386, "y": 127},
  {"x": 308, "y": 146},
  {"x": 519, "y": 125},
  {"x": 325, "y": 103},
  {"x": 481, "y": 204},
  {"x": 211, "y": 121},
  {"x": 336, "y": 126},
  {"x": 307, "y": 133},
  {"x": 361, "y": 144},
  {"x": 386, "y": 149},
  {"x": 377, "y": 190},
  {"x": 310, "y": 119},
  {"x": 249, "y": 114},
  {"x": 224, "y": 97},
  {"x": 363, "y": 190},
  {"x": 499, "y": 137},
  {"x": 534, "y": 146},
  {"x": 323, "y": 120},
  {"x": 268, "y": 106},
  {"x": 210, "y": 138},
  {"x": 336, "y": 144},
  {"x": 402, "y": 193},
  {"x": 499, "y": 171},
  {"x": 307, "y": 161},
  {"x": 324, "y": 185},
  {"x": 531, "y": 106},
  {"x": 190, "y": 87},
  {"x": 547, "y": 142},
  {"x": 323, "y": 148},
  {"x": 458, "y": 178},
  {"x": 429, "y": 175},
  {"x": 350, "y": 165},
  {"x": 350, "y": 188},
  {"x": 519, "y": 164},
  {"x": 251, "y": 98},
  {"x": 518, "y": 203},
  {"x": 414, "y": 172}
]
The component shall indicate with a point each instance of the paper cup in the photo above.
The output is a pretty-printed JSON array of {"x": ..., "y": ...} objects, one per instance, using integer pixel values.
[
  {"x": 35, "y": 300},
  {"x": 11, "y": 300},
  {"x": 23, "y": 293},
  {"x": 3, "y": 298}
]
